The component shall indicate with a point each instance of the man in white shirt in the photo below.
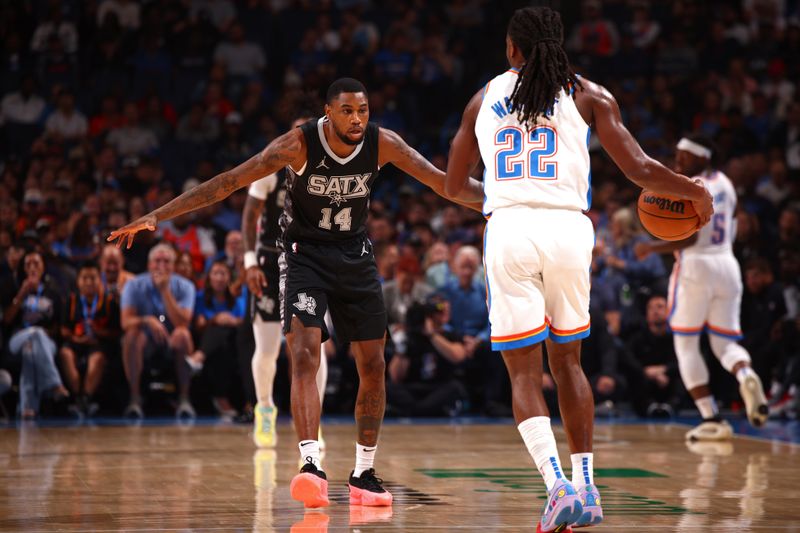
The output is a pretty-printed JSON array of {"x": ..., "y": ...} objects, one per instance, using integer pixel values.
[
  {"x": 23, "y": 106},
  {"x": 67, "y": 123}
]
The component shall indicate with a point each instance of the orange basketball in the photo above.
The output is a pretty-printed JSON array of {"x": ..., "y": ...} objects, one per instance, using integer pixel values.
[{"x": 667, "y": 217}]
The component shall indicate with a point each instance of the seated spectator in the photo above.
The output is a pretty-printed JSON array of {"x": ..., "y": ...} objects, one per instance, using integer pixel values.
[
  {"x": 386, "y": 258},
  {"x": 156, "y": 312},
  {"x": 233, "y": 256},
  {"x": 112, "y": 271},
  {"x": 80, "y": 246},
  {"x": 617, "y": 265},
  {"x": 184, "y": 267},
  {"x": 600, "y": 361},
  {"x": 650, "y": 363},
  {"x": 197, "y": 126},
  {"x": 32, "y": 313},
  {"x": 66, "y": 123},
  {"x": 423, "y": 381},
  {"x": 762, "y": 311},
  {"x": 90, "y": 331},
  {"x": 401, "y": 293},
  {"x": 187, "y": 236},
  {"x": 132, "y": 139},
  {"x": 218, "y": 315},
  {"x": 55, "y": 24},
  {"x": 20, "y": 116},
  {"x": 242, "y": 59},
  {"x": 486, "y": 375}
]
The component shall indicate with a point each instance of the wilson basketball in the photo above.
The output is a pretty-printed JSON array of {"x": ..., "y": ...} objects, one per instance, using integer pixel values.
[{"x": 667, "y": 217}]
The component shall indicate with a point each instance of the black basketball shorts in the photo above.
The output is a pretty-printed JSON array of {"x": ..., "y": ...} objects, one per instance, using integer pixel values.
[{"x": 339, "y": 276}]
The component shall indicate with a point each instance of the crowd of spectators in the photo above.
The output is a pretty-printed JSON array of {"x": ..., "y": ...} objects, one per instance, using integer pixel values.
[{"x": 109, "y": 108}]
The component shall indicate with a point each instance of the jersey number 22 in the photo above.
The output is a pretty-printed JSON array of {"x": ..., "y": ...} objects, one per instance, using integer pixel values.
[{"x": 535, "y": 147}]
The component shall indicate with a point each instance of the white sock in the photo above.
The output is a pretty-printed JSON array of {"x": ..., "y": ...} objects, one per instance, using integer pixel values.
[
  {"x": 541, "y": 443},
  {"x": 707, "y": 407},
  {"x": 309, "y": 452},
  {"x": 582, "y": 469},
  {"x": 365, "y": 458},
  {"x": 742, "y": 374}
]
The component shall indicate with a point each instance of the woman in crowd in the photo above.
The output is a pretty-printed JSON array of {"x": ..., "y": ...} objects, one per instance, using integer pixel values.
[
  {"x": 218, "y": 314},
  {"x": 33, "y": 316}
]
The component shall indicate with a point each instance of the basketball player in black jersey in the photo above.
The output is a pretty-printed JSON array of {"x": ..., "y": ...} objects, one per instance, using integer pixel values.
[
  {"x": 327, "y": 262},
  {"x": 261, "y": 232}
]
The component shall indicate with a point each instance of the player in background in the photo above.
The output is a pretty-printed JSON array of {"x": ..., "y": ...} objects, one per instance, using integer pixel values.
[
  {"x": 326, "y": 262},
  {"x": 531, "y": 127},
  {"x": 260, "y": 230},
  {"x": 705, "y": 294}
]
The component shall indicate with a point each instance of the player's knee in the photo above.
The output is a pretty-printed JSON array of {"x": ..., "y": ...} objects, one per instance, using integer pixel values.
[
  {"x": 729, "y": 352},
  {"x": 373, "y": 368},
  {"x": 304, "y": 361}
]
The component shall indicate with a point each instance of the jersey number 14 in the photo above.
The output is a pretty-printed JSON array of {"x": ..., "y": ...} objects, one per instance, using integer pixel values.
[{"x": 518, "y": 149}]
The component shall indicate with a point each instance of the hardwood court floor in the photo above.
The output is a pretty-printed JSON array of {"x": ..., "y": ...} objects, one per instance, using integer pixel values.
[{"x": 444, "y": 477}]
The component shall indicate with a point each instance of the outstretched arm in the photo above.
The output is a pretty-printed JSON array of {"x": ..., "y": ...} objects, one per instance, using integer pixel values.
[
  {"x": 464, "y": 152},
  {"x": 637, "y": 166},
  {"x": 393, "y": 149},
  {"x": 288, "y": 149},
  {"x": 645, "y": 248}
]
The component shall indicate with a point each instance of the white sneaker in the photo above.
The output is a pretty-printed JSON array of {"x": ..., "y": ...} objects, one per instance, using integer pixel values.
[
  {"x": 710, "y": 430},
  {"x": 755, "y": 402}
]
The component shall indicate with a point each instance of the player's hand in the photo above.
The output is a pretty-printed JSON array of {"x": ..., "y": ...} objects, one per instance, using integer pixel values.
[
  {"x": 704, "y": 207},
  {"x": 147, "y": 222},
  {"x": 547, "y": 382},
  {"x": 28, "y": 286},
  {"x": 256, "y": 280},
  {"x": 642, "y": 250}
]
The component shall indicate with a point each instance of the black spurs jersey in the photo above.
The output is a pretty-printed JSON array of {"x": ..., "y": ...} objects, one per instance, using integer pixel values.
[
  {"x": 328, "y": 201},
  {"x": 272, "y": 192}
]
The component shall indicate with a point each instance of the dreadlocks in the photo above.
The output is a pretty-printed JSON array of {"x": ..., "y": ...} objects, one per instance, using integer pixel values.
[{"x": 538, "y": 32}]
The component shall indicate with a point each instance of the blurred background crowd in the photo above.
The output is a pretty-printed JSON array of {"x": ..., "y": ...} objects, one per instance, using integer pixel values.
[{"x": 110, "y": 108}]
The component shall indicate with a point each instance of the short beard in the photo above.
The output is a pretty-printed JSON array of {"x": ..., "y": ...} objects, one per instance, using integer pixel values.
[{"x": 344, "y": 138}]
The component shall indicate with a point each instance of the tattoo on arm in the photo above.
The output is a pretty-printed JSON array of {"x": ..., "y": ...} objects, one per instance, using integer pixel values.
[
  {"x": 282, "y": 151},
  {"x": 369, "y": 415}
]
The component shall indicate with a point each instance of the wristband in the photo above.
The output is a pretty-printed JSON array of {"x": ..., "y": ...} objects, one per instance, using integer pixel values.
[{"x": 250, "y": 260}]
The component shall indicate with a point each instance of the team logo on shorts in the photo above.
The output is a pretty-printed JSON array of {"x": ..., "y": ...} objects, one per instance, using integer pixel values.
[
  {"x": 266, "y": 304},
  {"x": 306, "y": 303}
]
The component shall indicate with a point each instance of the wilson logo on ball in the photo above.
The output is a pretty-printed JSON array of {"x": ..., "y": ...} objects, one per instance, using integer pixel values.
[{"x": 665, "y": 204}]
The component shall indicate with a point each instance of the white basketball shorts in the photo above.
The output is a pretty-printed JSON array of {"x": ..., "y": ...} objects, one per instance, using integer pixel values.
[
  {"x": 537, "y": 264},
  {"x": 705, "y": 292}
]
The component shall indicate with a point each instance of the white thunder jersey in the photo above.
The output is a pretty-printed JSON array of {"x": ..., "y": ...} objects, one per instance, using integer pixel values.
[
  {"x": 538, "y": 243},
  {"x": 717, "y": 236},
  {"x": 546, "y": 167}
]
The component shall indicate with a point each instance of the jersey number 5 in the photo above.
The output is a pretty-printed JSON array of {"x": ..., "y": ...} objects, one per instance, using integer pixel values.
[
  {"x": 536, "y": 147},
  {"x": 718, "y": 225}
]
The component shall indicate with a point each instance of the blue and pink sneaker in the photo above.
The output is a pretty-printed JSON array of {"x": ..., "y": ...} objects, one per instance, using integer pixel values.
[
  {"x": 563, "y": 508},
  {"x": 592, "y": 511}
]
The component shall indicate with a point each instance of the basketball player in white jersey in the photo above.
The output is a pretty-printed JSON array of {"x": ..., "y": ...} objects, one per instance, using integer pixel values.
[
  {"x": 530, "y": 125},
  {"x": 705, "y": 294},
  {"x": 261, "y": 231}
]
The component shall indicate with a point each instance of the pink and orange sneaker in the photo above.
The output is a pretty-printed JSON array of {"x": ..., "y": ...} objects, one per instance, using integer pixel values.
[
  {"x": 310, "y": 486},
  {"x": 367, "y": 489}
]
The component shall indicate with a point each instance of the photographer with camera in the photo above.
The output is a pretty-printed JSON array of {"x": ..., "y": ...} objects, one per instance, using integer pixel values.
[{"x": 425, "y": 380}]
